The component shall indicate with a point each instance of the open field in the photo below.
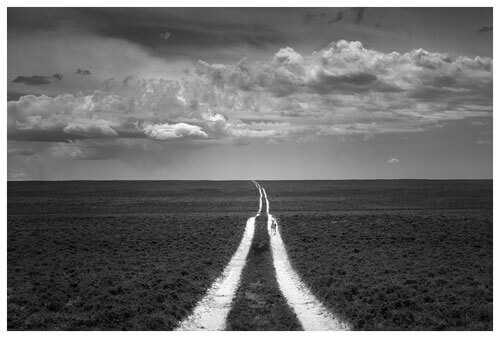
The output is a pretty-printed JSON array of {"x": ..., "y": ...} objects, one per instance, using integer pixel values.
[
  {"x": 383, "y": 255},
  {"x": 126, "y": 197},
  {"x": 366, "y": 195},
  {"x": 393, "y": 255},
  {"x": 118, "y": 255}
]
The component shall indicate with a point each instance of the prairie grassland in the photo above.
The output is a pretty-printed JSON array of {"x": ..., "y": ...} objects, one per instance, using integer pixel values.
[
  {"x": 118, "y": 255},
  {"x": 396, "y": 255}
]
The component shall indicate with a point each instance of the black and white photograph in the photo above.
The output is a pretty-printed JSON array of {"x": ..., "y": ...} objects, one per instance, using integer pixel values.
[{"x": 248, "y": 168}]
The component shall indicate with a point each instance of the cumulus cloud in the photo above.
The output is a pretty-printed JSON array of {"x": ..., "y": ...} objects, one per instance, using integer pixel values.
[
  {"x": 220, "y": 127},
  {"x": 64, "y": 117},
  {"x": 96, "y": 128},
  {"x": 287, "y": 56},
  {"x": 342, "y": 89},
  {"x": 172, "y": 131},
  {"x": 393, "y": 160},
  {"x": 350, "y": 62},
  {"x": 36, "y": 80},
  {"x": 346, "y": 79}
]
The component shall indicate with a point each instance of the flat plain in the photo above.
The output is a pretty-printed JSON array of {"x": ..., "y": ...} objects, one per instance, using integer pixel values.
[
  {"x": 118, "y": 255},
  {"x": 383, "y": 255},
  {"x": 393, "y": 255}
]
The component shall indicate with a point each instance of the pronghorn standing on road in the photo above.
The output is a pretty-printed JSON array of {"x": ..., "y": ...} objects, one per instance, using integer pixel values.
[{"x": 274, "y": 224}]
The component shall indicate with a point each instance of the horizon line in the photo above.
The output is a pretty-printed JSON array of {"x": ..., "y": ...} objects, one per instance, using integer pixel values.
[{"x": 256, "y": 179}]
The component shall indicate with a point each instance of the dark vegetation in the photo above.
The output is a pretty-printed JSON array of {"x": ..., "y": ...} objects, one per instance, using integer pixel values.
[
  {"x": 358, "y": 195},
  {"x": 118, "y": 255},
  {"x": 131, "y": 197},
  {"x": 259, "y": 304},
  {"x": 393, "y": 255}
]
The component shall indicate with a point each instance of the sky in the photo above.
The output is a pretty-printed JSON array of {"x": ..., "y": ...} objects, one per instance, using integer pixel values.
[{"x": 249, "y": 93}]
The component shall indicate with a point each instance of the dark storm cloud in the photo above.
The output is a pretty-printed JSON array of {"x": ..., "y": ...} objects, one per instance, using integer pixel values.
[
  {"x": 32, "y": 19},
  {"x": 357, "y": 79},
  {"x": 38, "y": 135},
  {"x": 80, "y": 71},
  {"x": 358, "y": 14},
  {"x": 69, "y": 134},
  {"x": 486, "y": 13},
  {"x": 448, "y": 97},
  {"x": 202, "y": 38},
  {"x": 338, "y": 17},
  {"x": 326, "y": 83},
  {"x": 358, "y": 82},
  {"x": 14, "y": 95},
  {"x": 484, "y": 29},
  {"x": 444, "y": 81},
  {"x": 72, "y": 132},
  {"x": 150, "y": 27},
  {"x": 308, "y": 18},
  {"x": 37, "y": 80}
]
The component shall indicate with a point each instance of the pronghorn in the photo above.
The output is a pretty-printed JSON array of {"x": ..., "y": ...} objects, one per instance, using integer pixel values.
[{"x": 274, "y": 224}]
